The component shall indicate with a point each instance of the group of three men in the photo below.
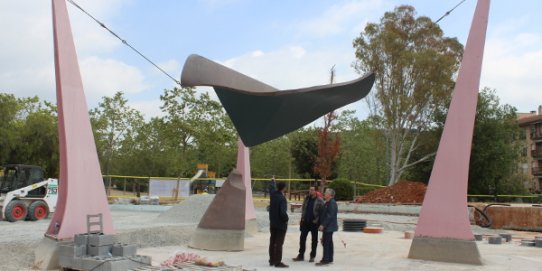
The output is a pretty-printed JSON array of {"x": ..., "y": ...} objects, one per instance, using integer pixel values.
[{"x": 316, "y": 215}]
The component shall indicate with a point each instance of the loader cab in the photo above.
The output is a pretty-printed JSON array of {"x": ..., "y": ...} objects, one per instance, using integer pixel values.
[{"x": 17, "y": 176}]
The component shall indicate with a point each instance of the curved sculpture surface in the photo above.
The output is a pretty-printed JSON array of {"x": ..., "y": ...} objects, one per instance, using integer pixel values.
[{"x": 261, "y": 112}]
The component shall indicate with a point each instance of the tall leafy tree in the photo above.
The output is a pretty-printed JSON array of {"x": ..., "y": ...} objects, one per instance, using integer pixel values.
[
  {"x": 272, "y": 158},
  {"x": 496, "y": 148},
  {"x": 9, "y": 110},
  {"x": 328, "y": 144},
  {"x": 113, "y": 122},
  {"x": 28, "y": 130},
  {"x": 195, "y": 119},
  {"x": 328, "y": 149},
  {"x": 414, "y": 65},
  {"x": 362, "y": 156},
  {"x": 304, "y": 151}
]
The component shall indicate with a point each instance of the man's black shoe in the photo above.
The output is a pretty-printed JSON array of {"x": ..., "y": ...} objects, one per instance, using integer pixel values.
[
  {"x": 281, "y": 265},
  {"x": 322, "y": 263},
  {"x": 298, "y": 259},
  {"x": 311, "y": 260}
]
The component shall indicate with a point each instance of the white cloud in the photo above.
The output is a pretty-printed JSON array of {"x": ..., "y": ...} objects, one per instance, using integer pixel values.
[
  {"x": 339, "y": 18},
  {"x": 512, "y": 65},
  {"x": 149, "y": 109},
  {"x": 104, "y": 77},
  {"x": 26, "y": 50},
  {"x": 171, "y": 67}
]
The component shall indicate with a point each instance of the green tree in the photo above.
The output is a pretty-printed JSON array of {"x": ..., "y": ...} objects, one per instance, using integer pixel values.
[
  {"x": 113, "y": 121},
  {"x": 9, "y": 109},
  {"x": 496, "y": 148},
  {"x": 304, "y": 150},
  {"x": 363, "y": 152},
  {"x": 28, "y": 132},
  {"x": 415, "y": 66},
  {"x": 271, "y": 158},
  {"x": 194, "y": 120}
]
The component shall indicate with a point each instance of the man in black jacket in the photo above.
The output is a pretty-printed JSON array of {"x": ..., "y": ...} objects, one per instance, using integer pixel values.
[
  {"x": 279, "y": 224},
  {"x": 328, "y": 225},
  {"x": 310, "y": 218}
]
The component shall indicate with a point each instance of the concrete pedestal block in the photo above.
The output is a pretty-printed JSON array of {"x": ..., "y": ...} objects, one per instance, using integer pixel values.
[
  {"x": 221, "y": 240},
  {"x": 251, "y": 226},
  {"x": 222, "y": 227},
  {"x": 46, "y": 254},
  {"x": 445, "y": 250}
]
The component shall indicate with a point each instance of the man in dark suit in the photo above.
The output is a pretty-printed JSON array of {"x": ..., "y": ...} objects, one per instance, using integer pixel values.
[
  {"x": 279, "y": 224},
  {"x": 328, "y": 225},
  {"x": 310, "y": 217}
]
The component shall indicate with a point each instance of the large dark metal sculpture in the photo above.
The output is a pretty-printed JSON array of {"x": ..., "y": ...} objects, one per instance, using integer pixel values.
[{"x": 260, "y": 112}]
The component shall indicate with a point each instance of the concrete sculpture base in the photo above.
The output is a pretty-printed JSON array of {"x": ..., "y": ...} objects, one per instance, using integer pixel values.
[
  {"x": 222, "y": 227},
  {"x": 251, "y": 226},
  {"x": 445, "y": 250},
  {"x": 221, "y": 240},
  {"x": 46, "y": 254}
]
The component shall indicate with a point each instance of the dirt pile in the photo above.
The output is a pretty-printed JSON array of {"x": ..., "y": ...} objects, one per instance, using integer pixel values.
[{"x": 401, "y": 192}]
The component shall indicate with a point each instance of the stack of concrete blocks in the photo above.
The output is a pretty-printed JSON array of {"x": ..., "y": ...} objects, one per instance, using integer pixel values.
[{"x": 98, "y": 252}]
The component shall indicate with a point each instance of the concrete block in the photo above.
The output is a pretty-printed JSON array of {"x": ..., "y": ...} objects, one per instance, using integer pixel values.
[
  {"x": 141, "y": 259},
  {"x": 478, "y": 237},
  {"x": 100, "y": 240},
  {"x": 80, "y": 239},
  {"x": 538, "y": 242},
  {"x": 506, "y": 236},
  {"x": 99, "y": 251},
  {"x": 118, "y": 265},
  {"x": 87, "y": 263},
  {"x": 66, "y": 250},
  {"x": 496, "y": 240},
  {"x": 123, "y": 250}
]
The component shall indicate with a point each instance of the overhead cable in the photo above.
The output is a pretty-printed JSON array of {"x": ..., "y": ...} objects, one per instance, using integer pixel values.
[{"x": 124, "y": 41}]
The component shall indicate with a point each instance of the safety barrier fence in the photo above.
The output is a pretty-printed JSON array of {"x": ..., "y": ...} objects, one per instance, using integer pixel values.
[{"x": 131, "y": 187}]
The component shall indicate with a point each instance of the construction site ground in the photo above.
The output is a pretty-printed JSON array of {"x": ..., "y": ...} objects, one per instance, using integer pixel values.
[{"x": 162, "y": 238}]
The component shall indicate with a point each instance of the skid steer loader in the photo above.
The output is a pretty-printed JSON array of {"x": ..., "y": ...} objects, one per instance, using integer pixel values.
[{"x": 25, "y": 194}]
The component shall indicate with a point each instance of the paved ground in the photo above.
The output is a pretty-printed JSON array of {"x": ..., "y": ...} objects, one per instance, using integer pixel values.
[{"x": 387, "y": 251}]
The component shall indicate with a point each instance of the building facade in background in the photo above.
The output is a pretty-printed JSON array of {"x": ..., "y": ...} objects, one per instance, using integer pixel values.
[{"x": 531, "y": 123}]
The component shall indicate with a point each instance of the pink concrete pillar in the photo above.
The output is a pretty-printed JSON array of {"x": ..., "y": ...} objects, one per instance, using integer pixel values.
[
  {"x": 243, "y": 166},
  {"x": 81, "y": 188},
  {"x": 444, "y": 214}
]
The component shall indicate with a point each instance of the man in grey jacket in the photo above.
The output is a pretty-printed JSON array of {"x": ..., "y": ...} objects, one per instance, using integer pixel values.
[
  {"x": 310, "y": 218},
  {"x": 328, "y": 225}
]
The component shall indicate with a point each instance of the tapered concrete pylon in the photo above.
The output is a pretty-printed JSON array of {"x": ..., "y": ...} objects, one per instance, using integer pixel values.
[
  {"x": 243, "y": 166},
  {"x": 81, "y": 188},
  {"x": 81, "y": 191},
  {"x": 443, "y": 232}
]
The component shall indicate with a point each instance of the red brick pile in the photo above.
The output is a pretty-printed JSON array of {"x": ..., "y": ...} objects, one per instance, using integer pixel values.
[{"x": 401, "y": 192}]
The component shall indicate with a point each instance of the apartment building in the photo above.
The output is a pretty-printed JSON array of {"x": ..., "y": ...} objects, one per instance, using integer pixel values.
[{"x": 531, "y": 123}]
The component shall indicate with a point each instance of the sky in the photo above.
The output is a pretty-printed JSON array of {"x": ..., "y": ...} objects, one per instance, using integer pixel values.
[{"x": 286, "y": 44}]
